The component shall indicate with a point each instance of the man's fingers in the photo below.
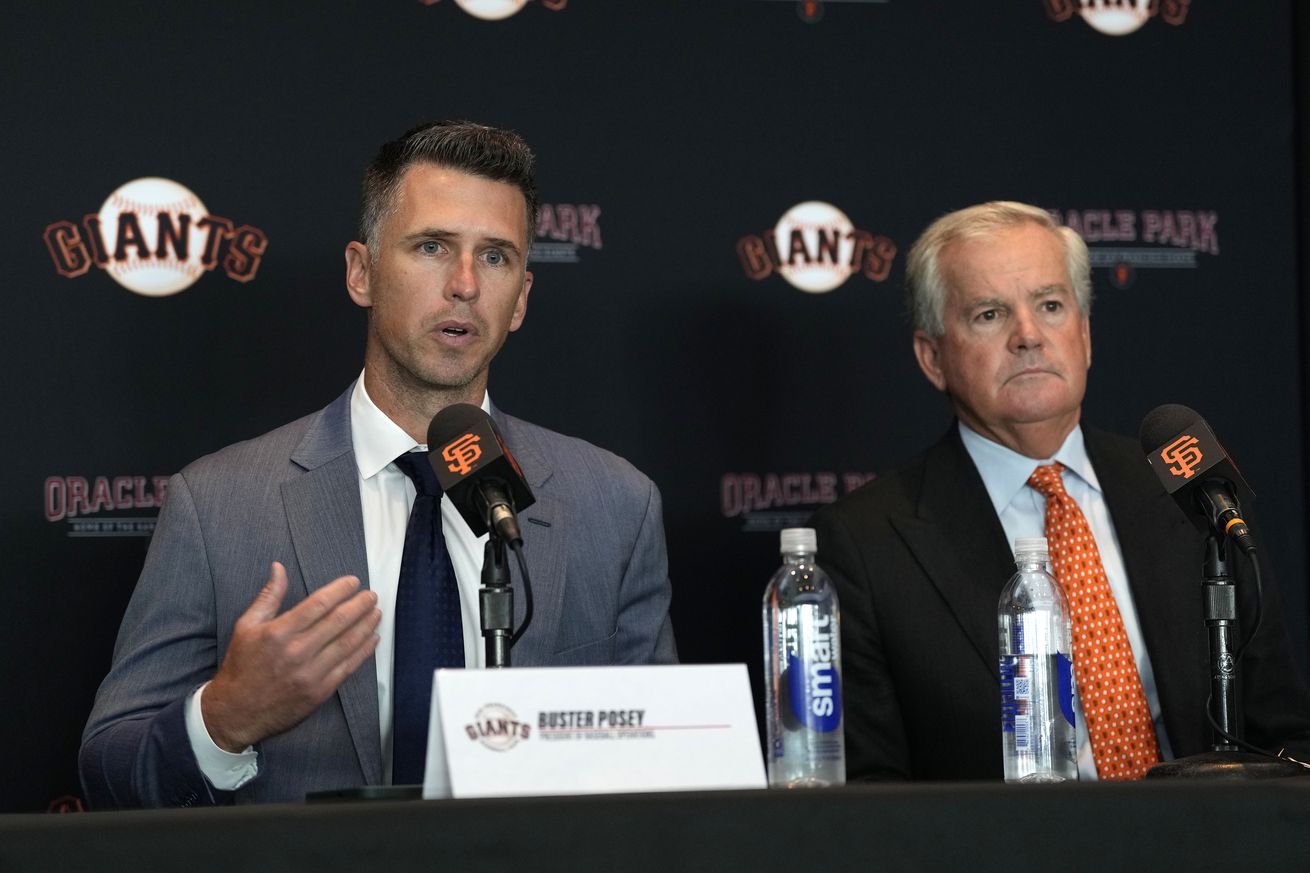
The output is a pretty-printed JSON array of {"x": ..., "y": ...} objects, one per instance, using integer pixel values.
[
  {"x": 355, "y": 658},
  {"x": 308, "y": 612},
  {"x": 358, "y": 616},
  {"x": 269, "y": 599},
  {"x": 331, "y": 660}
]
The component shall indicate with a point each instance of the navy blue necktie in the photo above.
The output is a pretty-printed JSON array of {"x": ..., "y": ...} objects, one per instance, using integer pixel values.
[{"x": 429, "y": 633}]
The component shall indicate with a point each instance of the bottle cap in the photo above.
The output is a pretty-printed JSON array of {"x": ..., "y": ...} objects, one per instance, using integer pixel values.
[
  {"x": 1031, "y": 546},
  {"x": 798, "y": 541}
]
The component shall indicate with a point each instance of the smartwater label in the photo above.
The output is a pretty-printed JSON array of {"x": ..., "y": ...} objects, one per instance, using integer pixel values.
[
  {"x": 813, "y": 684},
  {"x": 1064, "y": 670}
]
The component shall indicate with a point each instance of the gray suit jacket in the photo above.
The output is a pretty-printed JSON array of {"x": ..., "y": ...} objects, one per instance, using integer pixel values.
[{"x": 593, "y": 541}]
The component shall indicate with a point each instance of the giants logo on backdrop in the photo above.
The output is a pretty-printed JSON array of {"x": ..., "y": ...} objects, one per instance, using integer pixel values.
[
  {"x": 811, "y": 11},
  {"x": 104, "y": 506},
  {"x": 495, "y": 10},
  {"x": 66, "y": 803},
  {"x": 563, "y": 229},
  {"x": 816, "y": 248},
  {"x": 155, "y": 237},
  {"x": 1118, "y": 17},
  {"x": 769, "y": 502},
  {"x": 1174, "y": 238},
  {"x": 497, "y": 727}
]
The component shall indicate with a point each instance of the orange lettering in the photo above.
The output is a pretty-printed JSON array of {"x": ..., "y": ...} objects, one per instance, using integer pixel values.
[
  {"x": 1183, "y": 453},
  {"x": 463, "y": 453}
]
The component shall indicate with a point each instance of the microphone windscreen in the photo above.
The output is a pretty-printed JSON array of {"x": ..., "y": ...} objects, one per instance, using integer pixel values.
[
  {"x": 453, "y": 421},
  {"x": 1164, "y": 423}
]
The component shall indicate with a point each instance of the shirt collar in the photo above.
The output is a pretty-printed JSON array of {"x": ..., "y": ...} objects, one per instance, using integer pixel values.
[
  {"x": 377, "y": 439},
  {"x": 1005, "y": 472}
]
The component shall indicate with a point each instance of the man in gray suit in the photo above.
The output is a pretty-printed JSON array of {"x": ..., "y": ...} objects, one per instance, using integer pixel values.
[{"x": 254, "y": 663}]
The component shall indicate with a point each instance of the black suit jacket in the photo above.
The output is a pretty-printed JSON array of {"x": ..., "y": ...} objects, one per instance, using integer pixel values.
[{"x": 919, "y": 558}]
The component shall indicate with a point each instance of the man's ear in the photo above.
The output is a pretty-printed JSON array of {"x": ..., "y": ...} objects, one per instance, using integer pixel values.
[
  {"x": 521, "y": 305},
  {"x": 358, "y": 275},
  {"x": 927, "y": 351}
]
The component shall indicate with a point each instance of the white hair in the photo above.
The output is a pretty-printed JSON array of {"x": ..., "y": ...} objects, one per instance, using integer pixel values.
[{"x": 925, "y": 287}]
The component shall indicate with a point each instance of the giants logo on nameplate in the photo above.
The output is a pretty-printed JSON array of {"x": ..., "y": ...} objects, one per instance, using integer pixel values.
[
  {"x": 1127, "y": 240},
  {"x": 104, "y": 506},
  {"x": 564, "y": 230},
  {"x": 816, "y": 248},
  {"x": 770, "y": 502},
  {"x": 495, "y": 10},
  {"x": 496, "y": 727},
  {"x": 1118, "y": 17},
  {"x": 155, "y": 237}
]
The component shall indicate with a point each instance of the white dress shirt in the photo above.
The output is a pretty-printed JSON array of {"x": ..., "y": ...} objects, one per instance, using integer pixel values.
[
  {"x": 386, "y": 496},
  {"x": 1022, "y": 511}
]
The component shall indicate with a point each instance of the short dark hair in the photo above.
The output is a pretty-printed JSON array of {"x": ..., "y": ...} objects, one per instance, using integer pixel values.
[{"x": 490, "y": 152}]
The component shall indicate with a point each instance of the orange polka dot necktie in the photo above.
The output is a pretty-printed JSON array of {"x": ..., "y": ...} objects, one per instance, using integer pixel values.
[{"x": 1114, "y": 705}]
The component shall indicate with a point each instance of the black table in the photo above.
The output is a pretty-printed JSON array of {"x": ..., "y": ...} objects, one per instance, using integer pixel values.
[{"x": 1170, "y": 826}]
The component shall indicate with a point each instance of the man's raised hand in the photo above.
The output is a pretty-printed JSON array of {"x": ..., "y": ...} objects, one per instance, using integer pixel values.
[{"x": 280, "y": 668}]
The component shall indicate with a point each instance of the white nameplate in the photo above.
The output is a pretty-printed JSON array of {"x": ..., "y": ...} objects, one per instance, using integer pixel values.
[{"x": 585, "y": 730}]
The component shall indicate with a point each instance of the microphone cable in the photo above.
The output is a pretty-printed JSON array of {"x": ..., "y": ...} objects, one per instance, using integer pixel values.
[{"x": 517, "y": 548}]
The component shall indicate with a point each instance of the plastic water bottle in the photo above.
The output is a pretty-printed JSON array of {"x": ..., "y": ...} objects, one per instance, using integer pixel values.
[
  {"x": 802, "y": 670},
  {"x": 1037, "y": 688}
]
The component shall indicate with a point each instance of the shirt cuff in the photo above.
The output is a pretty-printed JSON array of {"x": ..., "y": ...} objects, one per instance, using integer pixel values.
[{"x": 226, "y": 771}]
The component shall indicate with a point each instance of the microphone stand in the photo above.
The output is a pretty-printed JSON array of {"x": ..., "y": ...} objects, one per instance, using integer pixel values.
[
  {"x": 1220, "y": 597},
  {"x": 1224, "y": 760},
  {"x": 496, "y": 602}
]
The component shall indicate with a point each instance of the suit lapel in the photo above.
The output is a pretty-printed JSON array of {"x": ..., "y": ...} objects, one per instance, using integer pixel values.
[
  {"x": 327, "y": 529},
  {"x": 958, "y": 540},
  {"x": 546, "y": 533}
]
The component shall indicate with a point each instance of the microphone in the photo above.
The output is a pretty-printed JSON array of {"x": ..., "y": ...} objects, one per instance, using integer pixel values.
[
  {"x": 477, "y": 470},
  {"x": 1193, "y": 467}
]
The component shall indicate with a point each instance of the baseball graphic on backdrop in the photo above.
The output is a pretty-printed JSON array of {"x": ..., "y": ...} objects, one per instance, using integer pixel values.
[
  {"x": 823, "y": 228},
  {"x": 156, "y": 202},
  {"x": 1119, "y": 18},
  {"x": 491, "y": 10}
]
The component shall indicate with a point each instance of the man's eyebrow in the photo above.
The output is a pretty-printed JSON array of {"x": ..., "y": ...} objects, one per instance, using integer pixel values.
[
  {"x": 502, "y": 243},
  {"x": 430, "y": 233},
  {"x": 1048, "y": 290},
  {"x": 985, "y": 303}
]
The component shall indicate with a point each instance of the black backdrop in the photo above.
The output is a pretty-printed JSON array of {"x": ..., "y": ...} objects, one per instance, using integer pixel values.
[{"x": 672, "y": 139}]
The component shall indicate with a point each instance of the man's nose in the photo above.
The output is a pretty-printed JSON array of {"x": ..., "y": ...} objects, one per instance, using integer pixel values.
[
  {"x": 1026, "y": 332},
  {"x": 463, "y": 282}
]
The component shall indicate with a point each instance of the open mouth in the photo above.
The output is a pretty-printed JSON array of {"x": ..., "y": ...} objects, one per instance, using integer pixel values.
[{"x": 454, "y": 331}]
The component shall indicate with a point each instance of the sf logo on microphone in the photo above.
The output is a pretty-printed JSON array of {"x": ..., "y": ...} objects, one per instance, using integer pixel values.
[
  {"x": 463, "y": 453},
  {"x": 1183, "y": 454}
]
